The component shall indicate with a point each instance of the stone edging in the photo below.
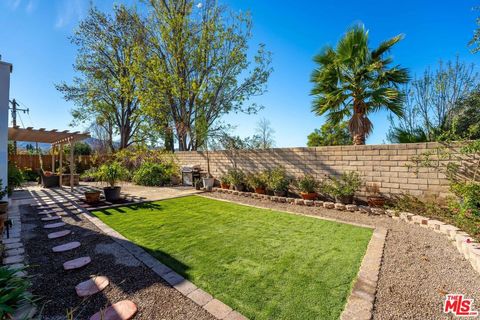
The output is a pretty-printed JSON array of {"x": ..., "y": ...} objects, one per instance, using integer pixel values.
[
  {"x": 464, "y": 243},
  {"x": 203, "y": 299}
]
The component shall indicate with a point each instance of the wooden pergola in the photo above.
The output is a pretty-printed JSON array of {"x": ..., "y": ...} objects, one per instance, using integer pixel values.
[{"x": 53, "y": 137}]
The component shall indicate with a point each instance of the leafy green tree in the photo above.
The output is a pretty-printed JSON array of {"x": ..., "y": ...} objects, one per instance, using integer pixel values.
[
  {"x": 330, "y": 135},
  {"x": 465, "y": 116},
  {"x": 106, "y": 90},
  {"x": 353, "y": 80},
  {"x": 195, "y": 69}
]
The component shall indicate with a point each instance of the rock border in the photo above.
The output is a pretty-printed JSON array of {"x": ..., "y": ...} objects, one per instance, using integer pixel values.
[
  {"x": 215, "y": 307},
  {"x": 465, "y": 244}
]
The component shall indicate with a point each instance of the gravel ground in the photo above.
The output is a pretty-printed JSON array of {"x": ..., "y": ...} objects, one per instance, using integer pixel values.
[
  {"x": 129, "y": 279},
  {"x": 419, "y": 266}
]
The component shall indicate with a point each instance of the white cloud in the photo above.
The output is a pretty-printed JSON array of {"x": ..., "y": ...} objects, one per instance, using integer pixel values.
[{"x": 70, "y": 11}]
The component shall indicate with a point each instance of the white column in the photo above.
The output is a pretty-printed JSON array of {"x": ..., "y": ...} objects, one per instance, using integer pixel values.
[{"x": 5, "y": 70}]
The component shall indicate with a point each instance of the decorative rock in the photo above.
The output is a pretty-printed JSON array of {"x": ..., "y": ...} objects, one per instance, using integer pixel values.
[
  {"x": 364, "y": 209},
  {"x": 460, "y": 238},
  {"x": 351, "y": 207},
  {"x": 76, "y": 263},
  {"x": 475, "y": 258},
  {"x": 390, "y": 212},
  {"x": 58, "y": 234},
  {"x": 54, "y": 225},
  {"x": 282, "y": 199},
  {"x": 66, "y": 247},
  {"x": 329, "y": 205},
  {"x": 122, "y": 310},
  {"x": 91, "y": 286},
  {"x": 435, "y": 225},
  {"x": 377, "y": 211},
  {"x": 318, "y": 203},
  {"x": 299, "y": 202},
  {"x": 308, "y": 203},
  {"x": 290, "y": 200},
  {"x": 235, "y": 193},
  {"x": 468, "y": 247},
  {"x": 52, "y": 218},
  {"x": 274, "y": 199},
  {"x": 340, "y": 206},
  {"x": 448, "y": 229}
]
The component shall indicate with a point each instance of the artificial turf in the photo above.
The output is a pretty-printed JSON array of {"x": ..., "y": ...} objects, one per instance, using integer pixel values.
[{"x": 266, "y": 264}]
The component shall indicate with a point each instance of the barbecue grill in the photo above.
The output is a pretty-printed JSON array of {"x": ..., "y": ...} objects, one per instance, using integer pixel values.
[{"x": 190, "y": 173}]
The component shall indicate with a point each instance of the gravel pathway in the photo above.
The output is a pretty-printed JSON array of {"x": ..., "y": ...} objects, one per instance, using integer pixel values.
[
  {"x": 419, "y": 266},
  {"x": 129, "y": 278}
]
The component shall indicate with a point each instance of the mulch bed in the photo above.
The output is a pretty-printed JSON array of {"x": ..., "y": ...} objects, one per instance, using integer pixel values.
[{"x": 55, "y": 287}]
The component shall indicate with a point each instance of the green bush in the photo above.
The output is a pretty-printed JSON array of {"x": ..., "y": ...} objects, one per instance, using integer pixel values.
[
  {"x": 236, "y": 176},
  {"x": 346, "y": 185},
  {"x": 15, "y": 178},
  {"x": 258, "y": 180},
  {"x": 29, "y": 174},
  {"x": 13, "y": 292},
  {"x": 278, "y": 180},
  {"x": 153, "y": 174},
  {"x": 307, "y": 184},
  {"x": 469, "y": 194}
]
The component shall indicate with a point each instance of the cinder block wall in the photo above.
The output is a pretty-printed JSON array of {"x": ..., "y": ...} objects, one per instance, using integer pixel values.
[{"x": 388, "y": 166}]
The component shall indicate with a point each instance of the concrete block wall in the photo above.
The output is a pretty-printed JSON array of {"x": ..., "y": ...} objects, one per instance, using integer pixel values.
[{"x": 388, "y": 166}]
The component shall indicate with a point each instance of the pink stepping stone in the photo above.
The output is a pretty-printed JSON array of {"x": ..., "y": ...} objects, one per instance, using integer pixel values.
[
  {"x": 91, "y": 286},
  {"x": 66, "y": 246},
  {"x": 54, "y": 225},
  {"x": 76, "y": 263},
  {"x": 58, "y": 234},
  {"x": 122, "y": 310},
  {"x": 51, "y": 218}
]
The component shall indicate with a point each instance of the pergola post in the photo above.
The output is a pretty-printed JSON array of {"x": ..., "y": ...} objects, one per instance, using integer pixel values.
[
  {"x": 72, "y": 165},
  {"x": 5, "y": 70},
  {"x": 53, "y": 158},
  {"x": 61, "y": 165}
]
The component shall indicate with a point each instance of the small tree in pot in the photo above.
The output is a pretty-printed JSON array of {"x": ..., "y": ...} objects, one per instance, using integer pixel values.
[
  {"x": 258, "y": 181},
  {"x": 237, "y": 179},
  {"x": 225, "y": 181},
  {"x": 308, "y": 187},
  {"x": 111, "y": 173},
  {"x": 344, "y": 188},
  {"x": 278, "y": 182}
]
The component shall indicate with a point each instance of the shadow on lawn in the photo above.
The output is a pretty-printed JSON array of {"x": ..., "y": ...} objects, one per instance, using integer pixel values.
[
  {"x": 129, "y": 278},
  {"x": 133, "y": 207}
]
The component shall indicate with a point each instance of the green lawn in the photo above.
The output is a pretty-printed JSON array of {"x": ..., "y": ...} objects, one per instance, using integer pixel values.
[{"x": 265, "y": 264}]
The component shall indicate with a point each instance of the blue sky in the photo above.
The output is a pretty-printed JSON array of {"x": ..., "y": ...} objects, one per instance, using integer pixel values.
[{"x": 34, "y": 37}]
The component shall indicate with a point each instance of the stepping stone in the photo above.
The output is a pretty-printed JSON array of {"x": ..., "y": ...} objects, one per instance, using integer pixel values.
[
  {"x": 76, "y": 263},
  {"x": 58, "y": 234},
  {"x": 51, "y": 218},
  {"x": 91, "y": 286},
  {"x": 122, "y": 310},
  {"x": 45, "y": 212},
  {"x": 66, "y": 246},
  {"x": 54, "y": 225}
]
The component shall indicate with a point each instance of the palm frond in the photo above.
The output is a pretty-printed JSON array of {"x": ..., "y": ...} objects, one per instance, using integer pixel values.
[{"x": 385, "y": 46}]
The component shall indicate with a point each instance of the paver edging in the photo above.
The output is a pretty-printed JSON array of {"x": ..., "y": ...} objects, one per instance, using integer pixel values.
[{"x": 182, "y": 285}]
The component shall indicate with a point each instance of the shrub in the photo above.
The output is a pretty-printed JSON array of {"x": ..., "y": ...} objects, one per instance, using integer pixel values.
[
  {"x": 111, "y": 173},
  {"x": 307, "y": 184},
  {"x": 153, "y": 174},
  {"x": 89, "y": 175},
  {"x": 29, "y": 174},
  {"x": 15, "y": 178},
  {"x": 258, "y": 180},
  {"x": 225, "y": 179},
  {"x": 278, "y": 180},
  {"x": 236, "y": 176},
  {"x": 346, "y": 185},
  {"x": 469, "y": 193},
  {"x": 13, "y": 292}
]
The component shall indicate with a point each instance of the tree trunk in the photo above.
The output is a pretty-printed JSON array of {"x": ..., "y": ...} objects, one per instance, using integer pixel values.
[{"x": 359, "y": 139}]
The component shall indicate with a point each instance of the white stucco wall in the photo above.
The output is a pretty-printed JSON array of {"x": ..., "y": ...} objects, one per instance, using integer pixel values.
[{"x": 5, "y": 69}]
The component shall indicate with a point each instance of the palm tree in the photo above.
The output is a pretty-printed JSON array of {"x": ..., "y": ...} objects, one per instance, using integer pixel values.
[{"x": 353, "y": 80}]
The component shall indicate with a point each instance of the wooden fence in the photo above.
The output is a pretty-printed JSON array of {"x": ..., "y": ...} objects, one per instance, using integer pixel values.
[{"x": 23, "y": 161}]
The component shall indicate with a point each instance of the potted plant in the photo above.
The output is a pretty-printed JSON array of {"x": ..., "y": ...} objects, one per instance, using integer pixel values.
[
  {"x": 198, "y": 184},
  {"x": 92, "y": 196},
  {"x": 278, "y": 182},
  {"x": 375, "y": 198},
  {"x": 225, "y": 182},
  {"x": 258, "y": 182},
  {"x": 308, "y": 187},
  {"x": 3, "y": 205},
  {"x": 237, "y": 179},
  {"x": 344, "y": 188},
  {"x": 111, "y": 173}
]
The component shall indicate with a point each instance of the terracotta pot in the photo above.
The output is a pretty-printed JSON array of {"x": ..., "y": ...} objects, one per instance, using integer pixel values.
[
  {"x": 260, "y": 190},
  {"x": 376, "y": 201},
  {"x": 344, "y": 199},
  {"x": 225, "y": 185},
  {"x": 309, "y": 195},
  {"x": 3, "y": 206},
  {"x": 3, "y": 218},
  {"x": 280, "y": 193},
  {"x": 92, "y": 196}
]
